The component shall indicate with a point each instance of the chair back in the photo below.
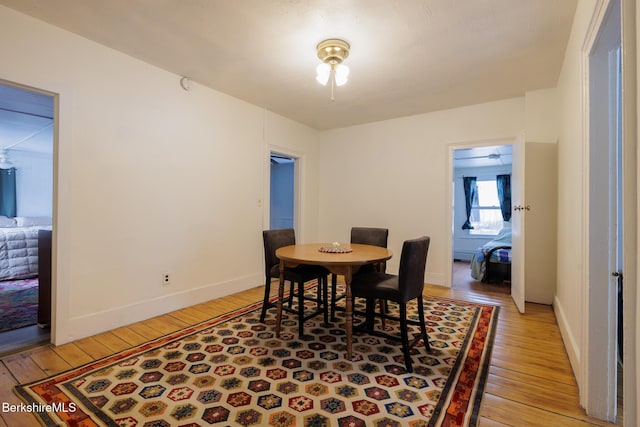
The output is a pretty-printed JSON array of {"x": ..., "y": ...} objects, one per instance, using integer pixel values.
[
  {"x": 273, "y": 240},
  {"x": 413, "y": 262},
  {"x": 371, "y": 236}
]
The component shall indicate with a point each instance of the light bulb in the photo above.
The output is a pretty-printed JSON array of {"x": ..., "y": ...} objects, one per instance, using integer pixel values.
[
  {"x": 341, "y": 74},
  {"x": 323, "y": 71}
]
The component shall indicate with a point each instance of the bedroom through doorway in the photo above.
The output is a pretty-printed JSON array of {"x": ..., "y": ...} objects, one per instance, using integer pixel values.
[
  {"x": 26, "y": 208},
  {"x": 481, "y": 209}
]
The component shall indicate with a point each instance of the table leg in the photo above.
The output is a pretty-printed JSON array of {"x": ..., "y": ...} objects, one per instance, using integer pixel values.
[
  {"x": 280, "y": 300},
  {"x": 348, "y": 313}
]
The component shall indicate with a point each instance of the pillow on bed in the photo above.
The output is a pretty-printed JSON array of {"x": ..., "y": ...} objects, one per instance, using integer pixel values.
[
  {"x": 32, "y": 221},
  {"x": 5, "y": 221}
]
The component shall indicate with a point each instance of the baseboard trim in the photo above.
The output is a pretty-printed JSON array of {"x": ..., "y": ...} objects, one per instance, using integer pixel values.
[
  {"x": 435, "y": 279},
  {"x": 95, "y": 323},
  {"x": 570, "y": 344}
]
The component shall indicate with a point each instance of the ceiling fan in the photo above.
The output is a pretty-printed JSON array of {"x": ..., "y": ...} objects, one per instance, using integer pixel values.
[
  {"x": 278, "y": 159},
  {"x": 5, "y": 161},
  {"x": 492, "y": 156}
]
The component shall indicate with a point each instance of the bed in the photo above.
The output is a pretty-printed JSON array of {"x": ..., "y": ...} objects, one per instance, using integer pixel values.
[
  {"x": 19, "y": 246},
  {"x": 491, "y": 262}
]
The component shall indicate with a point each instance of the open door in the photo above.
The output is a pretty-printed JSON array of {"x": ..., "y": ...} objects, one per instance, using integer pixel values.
[{"x": 517, "y": 224}]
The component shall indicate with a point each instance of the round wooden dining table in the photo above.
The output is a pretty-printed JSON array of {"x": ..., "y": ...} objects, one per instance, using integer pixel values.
[{"x": 339, "y": 263}]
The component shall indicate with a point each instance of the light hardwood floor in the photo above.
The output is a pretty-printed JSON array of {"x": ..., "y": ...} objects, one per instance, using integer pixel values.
[{"x": 530, "y": 381}]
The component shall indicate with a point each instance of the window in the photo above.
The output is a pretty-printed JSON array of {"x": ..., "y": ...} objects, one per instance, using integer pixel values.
[{"x": 486, "y": 216}]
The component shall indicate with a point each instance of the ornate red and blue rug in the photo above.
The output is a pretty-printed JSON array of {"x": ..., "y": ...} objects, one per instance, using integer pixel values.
[
  {"x": 233, "y": 371},
  {"x": 18, "y": 304}
]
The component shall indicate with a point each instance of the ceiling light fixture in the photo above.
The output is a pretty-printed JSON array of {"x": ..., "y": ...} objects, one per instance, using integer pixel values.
[
  {"x": 5, "y": 161},
  {"x": 332, "y": 53}
]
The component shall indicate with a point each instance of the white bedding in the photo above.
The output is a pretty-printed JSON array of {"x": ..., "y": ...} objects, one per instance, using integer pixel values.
[
  {"x": 19, "y": 252},
  {"x": 478, "y": 262}
]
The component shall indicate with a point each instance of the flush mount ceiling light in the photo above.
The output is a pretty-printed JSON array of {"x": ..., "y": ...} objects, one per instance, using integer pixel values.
[{"x": 332, "y": 53}]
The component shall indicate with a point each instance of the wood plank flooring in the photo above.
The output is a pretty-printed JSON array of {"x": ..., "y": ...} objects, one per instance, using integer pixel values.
[
  {"x": 530, "y": 381},
  {"x": 23, "y": 338}
]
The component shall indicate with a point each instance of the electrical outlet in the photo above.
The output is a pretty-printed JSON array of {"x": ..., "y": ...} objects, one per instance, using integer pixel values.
[{"x": 166, "y": 279}]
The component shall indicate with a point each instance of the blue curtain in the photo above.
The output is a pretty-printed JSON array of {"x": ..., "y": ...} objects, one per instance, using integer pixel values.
[
  {"x": 504, "y": 195},
  {"x": 469, "y": 194},
  {"x": 8, "y": 192}
]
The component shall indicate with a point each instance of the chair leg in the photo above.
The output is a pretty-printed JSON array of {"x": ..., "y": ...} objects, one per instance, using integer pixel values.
[
  {"x": 383, "y": 311},
  {"x": 291, "y": 293},
  {"x": 325, "y": 299},
  {"x": 423, "y": 326},
  {"x": 300, "y": 309},
  {"x": 319, "y": 293},
  {"x": 334, "y": 295},
  {"x": 322, "y": 295},
  {"x": 404, "y": 334},
  {"x": 370, "y": 313},
  {"x": 265, "y": 301}
]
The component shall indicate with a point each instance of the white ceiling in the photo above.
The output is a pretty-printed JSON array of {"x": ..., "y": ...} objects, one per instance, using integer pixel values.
[
  {"x": 407, "y": 56},
  {"x": 477, "y": 157},
  {"x": 26, "y": 120}
]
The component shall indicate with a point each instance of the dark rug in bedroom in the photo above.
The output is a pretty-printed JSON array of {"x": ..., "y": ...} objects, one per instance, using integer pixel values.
[{"x": 18, "y": 304}]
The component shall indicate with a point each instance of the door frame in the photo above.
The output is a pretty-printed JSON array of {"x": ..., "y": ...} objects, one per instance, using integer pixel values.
[
  {"x": 598, "y": 388},
  {"x": 630, "y": 210},
  {"x": 54, "y": 301},
  {"x": 449, "y": 190}
]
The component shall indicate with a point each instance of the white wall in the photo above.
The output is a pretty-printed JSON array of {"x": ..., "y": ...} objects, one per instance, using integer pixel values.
[
  {"x": 393, "y": 174},
  {"x": 150, "y": 179},
  {"x": 542, "y": 121},
  {"x": 569, "y": 301},
  {"x": 291, "y": 138}
]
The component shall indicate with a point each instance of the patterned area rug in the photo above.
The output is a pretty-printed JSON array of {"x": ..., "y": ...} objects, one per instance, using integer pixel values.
[
  {"x": 233, "y": 371},
  {"x": 18, "y": 304}
]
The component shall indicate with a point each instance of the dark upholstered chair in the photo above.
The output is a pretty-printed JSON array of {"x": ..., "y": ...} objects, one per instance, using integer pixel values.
[
  {"x": 406, "y": 286},
  {"x": 364, "y": 236},
  {"x": 274, "y": 239}
]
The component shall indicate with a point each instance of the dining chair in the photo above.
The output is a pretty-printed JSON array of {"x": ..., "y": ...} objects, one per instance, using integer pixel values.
[
  {"x": 273, "y": 240},
  {"x": 402, "y": 288},
  {"x": 365, "y": 236}
]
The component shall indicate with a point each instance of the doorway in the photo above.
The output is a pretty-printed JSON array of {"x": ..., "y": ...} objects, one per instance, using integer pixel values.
[
  {"x": 26, "y": 156},
  {"x": 281, "y": 191},
  {"x": 479, "y": 167}
]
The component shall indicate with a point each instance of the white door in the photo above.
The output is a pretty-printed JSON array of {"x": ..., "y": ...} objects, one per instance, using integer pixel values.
[
  {"x": 540, "y": 201},
  {"x": 518, "y": 217}
]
